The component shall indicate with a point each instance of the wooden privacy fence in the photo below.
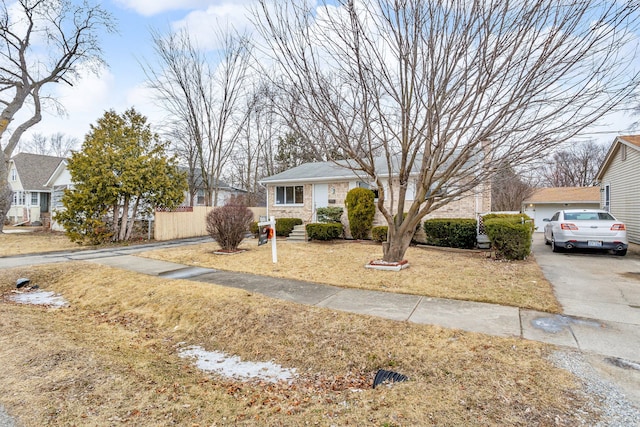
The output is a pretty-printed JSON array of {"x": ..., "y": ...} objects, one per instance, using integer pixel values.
[{"x": 188, "y": 221}]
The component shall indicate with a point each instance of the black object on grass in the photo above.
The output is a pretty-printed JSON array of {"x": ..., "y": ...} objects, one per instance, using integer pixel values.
[{"x": 383, "y": 376}]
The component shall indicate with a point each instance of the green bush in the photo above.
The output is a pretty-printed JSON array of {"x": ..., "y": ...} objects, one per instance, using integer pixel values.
[
  {"x": 324, "y": 231},
  {"x": 329, "y": 214},
  {"x": 510, "y": 236},
  {"x": 361, "y": 209},
  {"x": 451, "y": 232},
  {"x": 284, "y": 226},
  {"x": 253, "y": 228},
  {"x": 379, "y": 233}
]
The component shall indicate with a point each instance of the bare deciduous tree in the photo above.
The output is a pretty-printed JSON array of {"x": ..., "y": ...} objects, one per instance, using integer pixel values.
[
  {"x": 575, "y": 166},
  {"x": 57, "y": 144},
  {"x": 42, "y": 42},
  {"x": 446, "y": 89},
  {"x": 509, "y": 189},
  {"x": 203, "y": 98}
]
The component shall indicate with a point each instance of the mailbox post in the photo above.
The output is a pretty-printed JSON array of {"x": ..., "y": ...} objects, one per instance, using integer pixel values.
[{"x": 272, "y": 224}]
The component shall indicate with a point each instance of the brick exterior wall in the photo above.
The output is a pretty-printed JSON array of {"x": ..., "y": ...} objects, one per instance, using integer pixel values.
[{"x": 465, "y": 207}]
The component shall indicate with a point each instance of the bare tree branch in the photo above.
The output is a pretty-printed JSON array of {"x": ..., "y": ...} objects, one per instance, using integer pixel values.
[{"x": 444, "y": 90}]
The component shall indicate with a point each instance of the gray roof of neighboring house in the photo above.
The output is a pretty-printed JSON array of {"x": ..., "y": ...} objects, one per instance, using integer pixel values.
[
  {"x": 199, "y": 181},
  {"x": 34, "y": 170}
]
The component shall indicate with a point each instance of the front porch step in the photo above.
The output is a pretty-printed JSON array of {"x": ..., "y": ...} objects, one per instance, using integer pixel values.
[{"x": 299, "y": 234}]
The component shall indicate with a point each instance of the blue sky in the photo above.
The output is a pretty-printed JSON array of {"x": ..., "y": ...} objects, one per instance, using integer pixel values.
[{"x": 121, "y": 86}]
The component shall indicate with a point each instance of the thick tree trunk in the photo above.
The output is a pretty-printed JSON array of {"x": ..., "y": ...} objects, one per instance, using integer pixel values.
[
  {"x": 396, "y": 246},
  {"x": 124, "y": 221},
  {"x": 134, "y": 213},
  {"x": 5, "y": 191}
]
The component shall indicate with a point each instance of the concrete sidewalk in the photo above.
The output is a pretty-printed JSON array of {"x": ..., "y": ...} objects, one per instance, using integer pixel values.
[{"x": 607, "y": 338}]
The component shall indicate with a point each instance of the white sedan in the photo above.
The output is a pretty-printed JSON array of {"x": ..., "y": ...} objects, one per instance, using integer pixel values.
[{"x": 585, "y": 228}]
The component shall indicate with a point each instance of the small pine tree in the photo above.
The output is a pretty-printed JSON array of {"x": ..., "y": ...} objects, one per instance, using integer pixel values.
[
  {"x": 361, "y": 209},
  {"x": 228, "y": 224}
]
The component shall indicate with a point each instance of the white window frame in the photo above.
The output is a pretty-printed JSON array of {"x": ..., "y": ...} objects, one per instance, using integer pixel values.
[
  {"x": 607, "y": 197},
  {"x": 35, "y": 195},
  {"x": 14, "y": 175},
  {"x": 18, "y": 198},
  {"x": 284, "y": 200}
]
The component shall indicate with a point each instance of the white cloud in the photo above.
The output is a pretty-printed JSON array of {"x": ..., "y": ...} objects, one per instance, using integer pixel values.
[
  {"x": 204, "y": 24},
  {"x": 154, "y": 7},
  {"x": 84, "y": 103}
]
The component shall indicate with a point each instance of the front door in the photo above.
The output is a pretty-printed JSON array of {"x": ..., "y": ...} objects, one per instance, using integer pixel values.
[{"x": 320, "y": 198}]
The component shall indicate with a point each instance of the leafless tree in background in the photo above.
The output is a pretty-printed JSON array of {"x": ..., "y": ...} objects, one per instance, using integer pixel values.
[
  {"x": 575, "y": 166},
  {"x": 509, "y": 189},
  {"x": 57, "y": 144},
  {"x": 446, "y": 89},
  {"x": 253, "y": 154},
  {"x": 203, "y": 97},
  {"x": 41, "y": 42}
]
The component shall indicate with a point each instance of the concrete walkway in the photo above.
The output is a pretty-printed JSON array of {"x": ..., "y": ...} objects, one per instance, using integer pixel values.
[{"x": 609, "y": 338}]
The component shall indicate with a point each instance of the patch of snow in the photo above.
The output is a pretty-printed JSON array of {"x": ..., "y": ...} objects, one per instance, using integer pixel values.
[
  {"x": 234, "y": 367},
  {"x": 40, "y": 298}
]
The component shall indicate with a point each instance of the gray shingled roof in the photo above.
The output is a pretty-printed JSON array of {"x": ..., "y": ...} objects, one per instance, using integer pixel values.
[
  {"x": 321, "y": 171},
  {"x": 34, "y": 170}
]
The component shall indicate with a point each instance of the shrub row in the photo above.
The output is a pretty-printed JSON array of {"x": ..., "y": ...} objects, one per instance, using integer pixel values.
[
  {"x": 510, "y": 235},
  {"x": 324, "y": 231},
  {"x": 452, "y": 232}
]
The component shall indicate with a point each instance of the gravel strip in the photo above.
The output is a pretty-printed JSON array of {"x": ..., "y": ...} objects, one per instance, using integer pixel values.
[{"x": 617, "y": 410}]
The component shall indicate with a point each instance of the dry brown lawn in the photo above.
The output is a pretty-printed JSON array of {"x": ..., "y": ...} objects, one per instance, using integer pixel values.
[
  {"x": 110, "y": 359},
  {"x": 34, "y": 241},
  {"x": 436, "y": 272}
]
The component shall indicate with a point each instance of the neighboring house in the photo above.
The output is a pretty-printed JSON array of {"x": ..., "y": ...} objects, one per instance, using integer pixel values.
[
  {"x": 59, "y": 181},
  {"x": 300, "y": 191},
  {"x": 197, "y": 196},
  {"x": 28, "y": 174},
  {"x": 619, "y": 178},
  {"x": 544, "y": 202}
]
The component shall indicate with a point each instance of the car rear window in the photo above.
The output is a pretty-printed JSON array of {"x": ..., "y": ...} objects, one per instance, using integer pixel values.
[{"x": 588, "y": 216}]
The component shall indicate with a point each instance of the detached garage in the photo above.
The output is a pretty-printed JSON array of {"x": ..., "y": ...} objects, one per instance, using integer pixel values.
[{"x": 544, "y": 202}]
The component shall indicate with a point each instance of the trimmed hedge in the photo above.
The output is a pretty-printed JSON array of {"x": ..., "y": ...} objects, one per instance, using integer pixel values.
[
  {"x": 329, "y": 214},
  {"x": 510, "y": 235},
  {"x": 379, "y": 233},
  {"x": 284, "y": 226},
  {"x": 324, "y": 231},
  {"x": 451, "y": 232}
]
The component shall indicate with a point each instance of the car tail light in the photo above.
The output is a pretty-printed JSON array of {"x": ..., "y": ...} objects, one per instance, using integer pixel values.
[
  {"x": 618, "y": 227},
  {"x": 568, "y": 226}
]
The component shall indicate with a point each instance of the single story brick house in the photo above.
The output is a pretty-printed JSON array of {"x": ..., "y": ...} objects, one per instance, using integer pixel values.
[
  {"x": 544, "y": 202},
  {"x": 300, "y": 191},
  {"x": 619, "y": 179}
]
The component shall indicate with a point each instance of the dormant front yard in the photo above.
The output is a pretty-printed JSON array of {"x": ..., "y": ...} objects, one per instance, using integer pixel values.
[{"x": 111, "y": 357}]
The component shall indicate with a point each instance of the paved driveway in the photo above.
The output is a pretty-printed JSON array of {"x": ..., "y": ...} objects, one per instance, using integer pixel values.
[{"x": 593, "y": 285}]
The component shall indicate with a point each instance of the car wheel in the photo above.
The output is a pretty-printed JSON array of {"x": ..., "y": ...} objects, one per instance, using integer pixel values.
[
  {"x": 546, "y": 241},
  {"x": 555, "y": 248},
  {"x": 621, "y": 252}
]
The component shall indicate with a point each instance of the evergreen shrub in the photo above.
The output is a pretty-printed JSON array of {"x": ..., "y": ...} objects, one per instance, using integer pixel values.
[
  {"x": 324, "y": 231},
  {"x": 284, "y": 226},
  {"x": 329, "y": 214},
  {"x": 510, "y": 235},
  {"x": 361, "y": 209},
  {"x": 451, "y": 232},
  {"x": 379, "y": 233}
]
